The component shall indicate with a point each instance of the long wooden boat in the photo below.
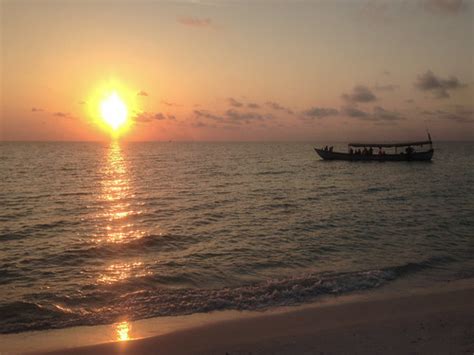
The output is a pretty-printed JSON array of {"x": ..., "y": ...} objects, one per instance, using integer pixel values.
[{"x": 408, "y": 154}]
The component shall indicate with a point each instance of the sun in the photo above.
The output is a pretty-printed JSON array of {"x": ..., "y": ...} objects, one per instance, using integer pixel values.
[{"x": 113, "y": 111}]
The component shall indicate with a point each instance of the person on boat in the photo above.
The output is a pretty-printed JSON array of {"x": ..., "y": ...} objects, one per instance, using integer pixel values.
[
  {"x": 371, "y": 151},
  {"x": 351, "y": 151},
  {"x": 365, "y": 151},
  {"x": 409, "y": 150},
  {"x": 330, "y": 148}
]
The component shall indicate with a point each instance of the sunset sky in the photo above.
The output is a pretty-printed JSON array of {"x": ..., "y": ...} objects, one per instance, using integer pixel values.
[{"x": 239, "y": 70}]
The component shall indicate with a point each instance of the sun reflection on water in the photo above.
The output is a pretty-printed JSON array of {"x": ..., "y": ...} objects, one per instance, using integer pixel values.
[
  {"x": 117, "y": 194},
  {"x": 121, "y": 271},
  {"x": 122, "y": 330}
]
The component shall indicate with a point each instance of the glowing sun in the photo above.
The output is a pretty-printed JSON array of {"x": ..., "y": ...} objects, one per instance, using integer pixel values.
[{"x": 113, "y": 111}]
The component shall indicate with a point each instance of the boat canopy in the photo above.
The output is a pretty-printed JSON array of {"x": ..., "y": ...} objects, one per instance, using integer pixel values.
[{"x": 389, "y": 145}]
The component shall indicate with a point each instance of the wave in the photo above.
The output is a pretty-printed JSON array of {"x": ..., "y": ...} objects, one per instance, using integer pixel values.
[
  {"x": 107, "y": 305},
  {"x": 104, "y": 249},
  {"x": 36, "y": 230}
]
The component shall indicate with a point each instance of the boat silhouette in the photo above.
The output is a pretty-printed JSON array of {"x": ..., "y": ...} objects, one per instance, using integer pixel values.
[{"x": 354, "y": 153}]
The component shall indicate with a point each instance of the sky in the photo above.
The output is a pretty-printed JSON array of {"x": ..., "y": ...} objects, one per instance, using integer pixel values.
[{"x": 238, "y": 70}]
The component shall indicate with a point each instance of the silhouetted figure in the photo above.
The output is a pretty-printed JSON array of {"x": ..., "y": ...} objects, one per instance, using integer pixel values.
[
  {"x": 330, "y": 148},
  {"x": 351, "y": 151},
  {"x": 326, "y": 148}
]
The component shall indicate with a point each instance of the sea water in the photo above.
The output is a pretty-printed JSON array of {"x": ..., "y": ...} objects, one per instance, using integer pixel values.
[{"x": 92, "y": 233}]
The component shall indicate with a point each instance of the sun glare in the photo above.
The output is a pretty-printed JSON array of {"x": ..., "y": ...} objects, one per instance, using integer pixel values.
[
  {"x": 123, "y": 329},
  {"x": 113, "y": 111}
]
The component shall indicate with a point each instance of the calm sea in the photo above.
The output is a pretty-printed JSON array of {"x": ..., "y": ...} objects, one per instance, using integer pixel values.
[{"x": 94, "y": 233}]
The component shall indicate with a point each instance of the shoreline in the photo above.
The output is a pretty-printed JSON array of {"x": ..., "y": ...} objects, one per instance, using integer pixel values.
[{"x": 439, "y": 319}]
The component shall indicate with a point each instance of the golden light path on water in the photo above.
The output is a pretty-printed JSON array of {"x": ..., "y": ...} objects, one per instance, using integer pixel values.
[
  {"x": 117, "y": 194},
  {"x": 122, "y": 330},
  {"x": 117, "y": 224}
]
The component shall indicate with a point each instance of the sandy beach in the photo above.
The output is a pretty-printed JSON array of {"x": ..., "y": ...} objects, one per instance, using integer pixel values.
[{"x": 435, "y": 321}]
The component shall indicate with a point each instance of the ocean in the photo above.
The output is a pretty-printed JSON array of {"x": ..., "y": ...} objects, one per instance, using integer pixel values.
[{"x": 95, "y": 233}]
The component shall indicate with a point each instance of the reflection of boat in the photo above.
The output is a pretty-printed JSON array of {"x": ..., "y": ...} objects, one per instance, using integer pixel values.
[{"x": 407, "y": 154}]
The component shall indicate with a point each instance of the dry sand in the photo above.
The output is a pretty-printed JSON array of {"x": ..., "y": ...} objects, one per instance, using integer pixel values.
[{"x": 438, "y": 322}]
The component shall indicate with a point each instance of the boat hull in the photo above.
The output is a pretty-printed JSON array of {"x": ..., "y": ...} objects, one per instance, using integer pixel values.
[{"x": 416, "y": 156}]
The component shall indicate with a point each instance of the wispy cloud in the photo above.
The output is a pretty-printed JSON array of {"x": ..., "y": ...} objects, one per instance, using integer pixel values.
[
  {"x": 195, "y": 22},
  {"x": 449, "y": 7},
  {"x": 246, "y": 117},
  {"x": 387, "y": 87},
  {"x": 320, "y": 112},
  {"x": 233, "y": 102},
  {"x": 253, "y": 105},
  {"x": 360, "y": 94},
  {"x": 381, "y": 114},
  {"x": 354, "y": 112},
  {"x": 146, "y": 117},
  {"x": 142, "y": 93},
  {"x": 62, "y": 114},
  {"x": 36, "y": 109},
  {"x": 169, "y": 103},
  {"x": 207, "y": 115},
  {"x": 459, "y": 114},
  {"x": 277, "y": 107},
  {"x": 232, "y": 116},
  {"x": 378, "y": 114},
  {"x": 438, "y": 86}
]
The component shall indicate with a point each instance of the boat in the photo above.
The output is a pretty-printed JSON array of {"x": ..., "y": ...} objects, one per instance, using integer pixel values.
[{"x": 407, "y": 153}]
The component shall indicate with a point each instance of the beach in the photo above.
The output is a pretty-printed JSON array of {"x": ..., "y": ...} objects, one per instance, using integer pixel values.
[{"x": 436, "y": 320}]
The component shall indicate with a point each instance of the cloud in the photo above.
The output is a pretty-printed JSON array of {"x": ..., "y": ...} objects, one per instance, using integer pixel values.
[
  {"x": 169, "y": 103},
  {"x": 438, "y": 86},
  {"x": 354, "y": 112},
  {"x": 200, "y": 124},
  {"x": 233, "y": 102},
  {"x": 207, "y": 115},
  {"x": 82, "y": 102},
  {"x": 378, "y": 114},
  {"x": 433, "y": 113},
  {"x": 253, "y": 105},
  {"x": 445, "y": 6},
  {"x": 277, "y": 107},
  {"x": 159, "y": 116},
  {"x": 376, "y": 11},
  {"x": 459, "y": 114},
  {"x": 195, "y": 22},
  {"x": 142, "y": 93},
  {"x": 460, "y": 118},
  {"x": 247, "y": 117},
  {"x": 387, "y": 87},
  {"x": 320, "y": 112},
  {"x": 62, "y": 114},
  {"x": 361, "y": 94},
  {"x": 145, "y": 117},
  {"x": 232, "y": 116},
  {"x": 36, "y": 109}
]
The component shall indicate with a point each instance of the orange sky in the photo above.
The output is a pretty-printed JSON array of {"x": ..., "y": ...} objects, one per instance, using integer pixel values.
[{"x": 230, "y": 70}]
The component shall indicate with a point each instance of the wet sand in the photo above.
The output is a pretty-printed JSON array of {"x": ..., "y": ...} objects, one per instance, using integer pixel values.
[{"x": 439, "y": 321}]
